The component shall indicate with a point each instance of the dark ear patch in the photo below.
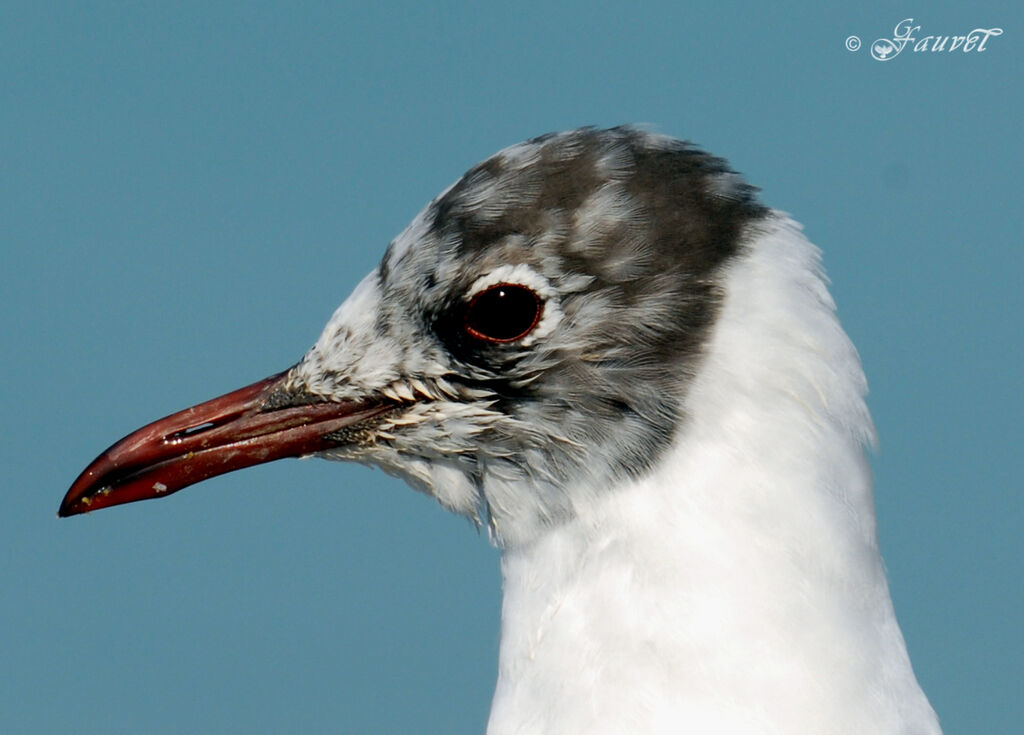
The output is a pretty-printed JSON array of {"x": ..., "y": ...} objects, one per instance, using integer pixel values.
[{"x": 691, "y": 228}]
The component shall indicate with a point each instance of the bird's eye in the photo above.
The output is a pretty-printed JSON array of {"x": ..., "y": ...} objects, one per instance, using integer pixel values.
[{"x": 503, "y": 313}]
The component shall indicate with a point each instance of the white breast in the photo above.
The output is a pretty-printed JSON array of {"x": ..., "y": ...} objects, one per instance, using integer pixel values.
[{"x": 738, "y": 588}]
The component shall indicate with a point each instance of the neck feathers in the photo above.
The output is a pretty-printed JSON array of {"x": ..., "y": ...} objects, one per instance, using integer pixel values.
[{"x": 738, "y": 587}]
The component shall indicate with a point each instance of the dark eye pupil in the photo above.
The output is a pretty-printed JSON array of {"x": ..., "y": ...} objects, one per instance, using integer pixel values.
[{"x": 503, "y": 313}]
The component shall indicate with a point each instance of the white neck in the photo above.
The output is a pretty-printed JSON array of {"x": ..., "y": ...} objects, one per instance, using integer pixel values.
[{"x": 738, "y": 588}]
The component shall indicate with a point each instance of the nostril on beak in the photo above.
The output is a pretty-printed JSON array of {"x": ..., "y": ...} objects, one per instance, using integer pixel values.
[{"x": 190, "y": 431}]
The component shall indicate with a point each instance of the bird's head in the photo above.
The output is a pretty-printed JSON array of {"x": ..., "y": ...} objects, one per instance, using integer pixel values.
[{"x": 525, "y": 343}]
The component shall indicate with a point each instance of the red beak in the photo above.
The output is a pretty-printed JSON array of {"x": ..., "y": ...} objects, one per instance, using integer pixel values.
[{"x": 259, "y": 423}]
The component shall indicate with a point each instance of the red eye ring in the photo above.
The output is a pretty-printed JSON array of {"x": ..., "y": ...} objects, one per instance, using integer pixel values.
[{"x": 503, "y": 313}]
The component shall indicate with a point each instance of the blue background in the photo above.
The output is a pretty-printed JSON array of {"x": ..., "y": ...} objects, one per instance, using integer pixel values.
[{"x": 187, "y": 190}]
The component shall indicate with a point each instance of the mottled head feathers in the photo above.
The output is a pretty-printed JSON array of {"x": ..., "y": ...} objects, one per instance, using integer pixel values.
[{"x": 621, "y": 234}]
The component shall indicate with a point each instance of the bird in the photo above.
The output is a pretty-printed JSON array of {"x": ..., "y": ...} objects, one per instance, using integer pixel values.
[{"x": 601, "y": 347}]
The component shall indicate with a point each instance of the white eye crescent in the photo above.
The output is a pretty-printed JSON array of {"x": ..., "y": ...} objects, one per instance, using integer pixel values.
[{"x": 512, "y": 303}]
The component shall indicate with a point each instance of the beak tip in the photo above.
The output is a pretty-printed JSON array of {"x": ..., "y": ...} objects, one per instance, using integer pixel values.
[{"x": 68, "y": 508}]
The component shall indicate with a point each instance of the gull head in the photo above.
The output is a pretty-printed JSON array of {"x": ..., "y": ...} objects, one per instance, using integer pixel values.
[{"x": 524, "y": 345}]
